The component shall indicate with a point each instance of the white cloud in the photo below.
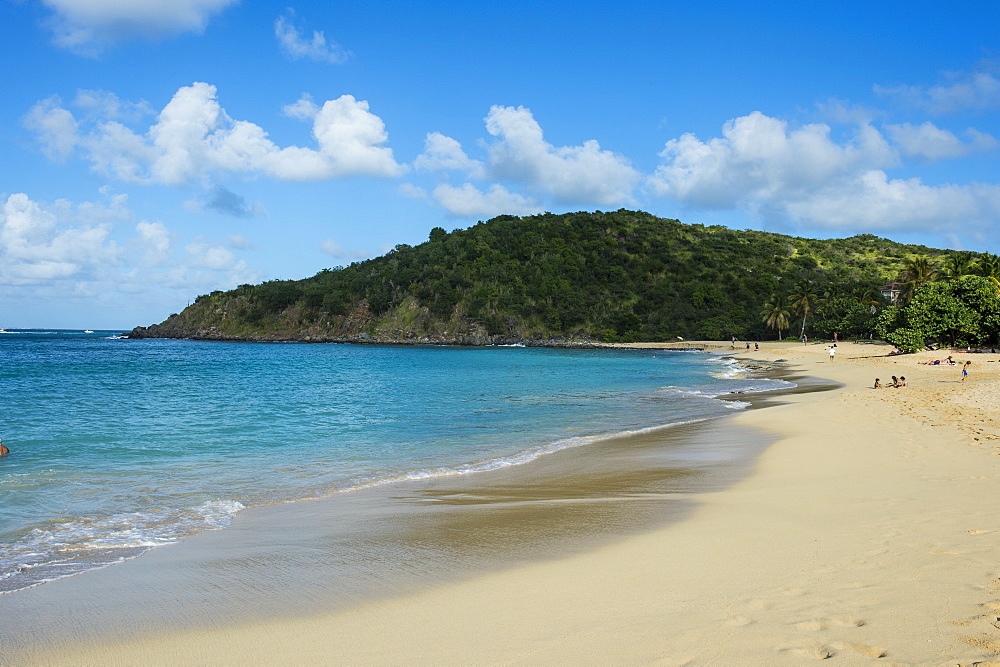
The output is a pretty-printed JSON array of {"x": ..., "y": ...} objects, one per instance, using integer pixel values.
[
  {"x": 929, "y": 141},
  {"x": 55, "y": 128},
  {"x": 193, "y": 137},
  {"x": 105, "y": 105},
  {"x": 36, "y": 245},
  {"x": 762, "y": 166},
  {"x": 303, "y": 109},
  {"x": 154, "y": 242},
  {"x": 411, "y": 191},
  {"x": 443, "y": 153},
  {"x": 294, "y": 45},
  {"x": 585, "y": 173},
  {"x": 67, "y": 259},
  {"x": 88, "y": 27},
  {"x": 978, "y": 91},
  {"x": 758, "y": 159},
  {"x": 469, "y": 201},
  {"x": 872, "y": 201}
]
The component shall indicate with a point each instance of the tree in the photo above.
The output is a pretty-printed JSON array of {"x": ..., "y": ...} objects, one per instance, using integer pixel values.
[
  {"x": 988, "y": 266},
  {"x": 957, "y": 265},
  {"x": 775, "y": 314},
  {"x": 918, "y": 271},
  {"x": 804, "y": 301},
  {"x": 964, "y": 311}
]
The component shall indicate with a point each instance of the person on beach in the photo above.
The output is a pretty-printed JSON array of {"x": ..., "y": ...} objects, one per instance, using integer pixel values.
[
  {"x": 965, "y": 370},
  {"x": 833, "y": 352},
  {"x": 902, "y": 381},
  {"x": 756, "y": 347},
  {"x": 895, "y": 381},
  {"x": 878, "y": 384}
]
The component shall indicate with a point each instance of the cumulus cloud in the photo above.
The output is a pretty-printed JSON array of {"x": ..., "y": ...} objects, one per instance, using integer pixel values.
[
  {"x": 62, "y": 258},
  {"x": 585, "y": 173},
  {"x": 193, "y": 137},
  {"x": 154, "y": 242},
  {"x": 931, "y": 142},
  {"x": 296, "y": 46},
  {"x": 977, "y": 91},
  {"x": 759, "y": 159},
  {"x": 762, "y": 166},
  {"x": 88, "y": 27},
  {"x": 37, "y": 246},
  {"x": 443, "y": 153},
  {"x": 468, "y": 200},
  {"x": 55, "y": 127}
]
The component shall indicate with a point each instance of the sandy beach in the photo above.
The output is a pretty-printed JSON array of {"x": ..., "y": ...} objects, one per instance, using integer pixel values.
[{"x": 866, "y": 533}]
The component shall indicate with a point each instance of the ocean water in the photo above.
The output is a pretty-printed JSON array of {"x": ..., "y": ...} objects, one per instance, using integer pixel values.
[{"x": 118, "y": 446}]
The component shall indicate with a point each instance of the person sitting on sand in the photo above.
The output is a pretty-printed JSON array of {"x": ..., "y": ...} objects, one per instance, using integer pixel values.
[
  {"x": 950, "y": 361},
  {"x": 895, "y": 381},
  {"x": 902, "y": 381},
  {"x": 878, "y": 385}
]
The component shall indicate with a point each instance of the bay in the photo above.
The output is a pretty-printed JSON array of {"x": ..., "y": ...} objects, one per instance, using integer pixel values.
[{"x": 118, "y": 446}]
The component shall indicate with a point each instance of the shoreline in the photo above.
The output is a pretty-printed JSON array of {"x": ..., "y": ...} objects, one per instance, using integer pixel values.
[
  {"x": 568, "y": 501},
  {"x": 865, "y": 532}
]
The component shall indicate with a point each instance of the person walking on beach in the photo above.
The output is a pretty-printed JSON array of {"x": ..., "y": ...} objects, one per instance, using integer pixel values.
[
  {"x": 965, "y": 370},
  {"x": 833, "y": 352}
]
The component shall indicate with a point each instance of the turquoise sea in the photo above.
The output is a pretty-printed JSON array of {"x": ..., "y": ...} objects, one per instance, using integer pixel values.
[{"x": 118, "y": 446}]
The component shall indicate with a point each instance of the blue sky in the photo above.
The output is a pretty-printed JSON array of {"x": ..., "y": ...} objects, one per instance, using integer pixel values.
[{"x": 154, "y": 151}]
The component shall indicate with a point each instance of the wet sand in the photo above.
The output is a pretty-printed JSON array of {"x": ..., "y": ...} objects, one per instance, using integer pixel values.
[{"x": 867, "y": 532}]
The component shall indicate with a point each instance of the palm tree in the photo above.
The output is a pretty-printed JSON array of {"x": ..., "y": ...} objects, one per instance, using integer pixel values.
[
  {"x": 988, "y": 266},
  {"x": 918, "y": 271},
  {"x": 869, "y": 296},
  {"x": 775, "y": 314},
  {"x": 805, "y": 301},
  {"x": 957, "y": 265}
]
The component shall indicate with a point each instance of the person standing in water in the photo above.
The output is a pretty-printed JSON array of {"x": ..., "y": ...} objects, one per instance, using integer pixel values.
[{"x": 3, "y": 450}]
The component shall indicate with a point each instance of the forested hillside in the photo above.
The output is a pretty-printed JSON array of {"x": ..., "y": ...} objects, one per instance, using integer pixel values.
[{"x": 620, "y": 276}]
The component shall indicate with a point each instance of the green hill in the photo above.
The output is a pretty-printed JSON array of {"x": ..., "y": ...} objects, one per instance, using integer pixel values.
[{"x": 619, "y": 276}]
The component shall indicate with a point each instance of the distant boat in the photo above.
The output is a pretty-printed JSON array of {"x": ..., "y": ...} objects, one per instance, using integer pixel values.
[{"x": 88, "y": 331}]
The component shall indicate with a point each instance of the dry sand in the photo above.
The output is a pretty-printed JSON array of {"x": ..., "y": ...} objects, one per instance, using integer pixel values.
[{"x": 868, "y": 533}]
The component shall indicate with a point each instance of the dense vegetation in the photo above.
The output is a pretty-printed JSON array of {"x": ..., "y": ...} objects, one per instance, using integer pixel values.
[{"x": 620, "y": 276}]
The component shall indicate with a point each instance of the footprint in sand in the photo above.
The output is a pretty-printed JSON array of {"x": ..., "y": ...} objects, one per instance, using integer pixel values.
[
  {"x": 868, "y": 651},
  {"x": 814, "y": 651},
  {"x": 810, "y": 626}
]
